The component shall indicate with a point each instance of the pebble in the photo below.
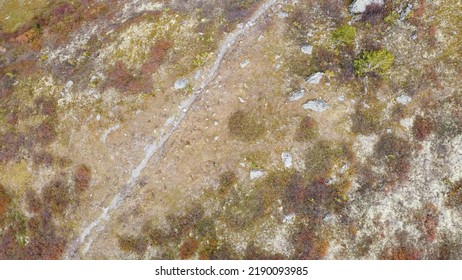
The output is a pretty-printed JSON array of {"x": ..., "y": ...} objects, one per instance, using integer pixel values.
[
  {"x": 297, "y": 95},
  {"x": 245, "y": 64},
  {"x": 287, "y": 159}
]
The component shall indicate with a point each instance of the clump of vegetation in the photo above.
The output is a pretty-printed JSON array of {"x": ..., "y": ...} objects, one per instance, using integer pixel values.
[
  {"x": 157, "y": 56},
  {"x": 133, "y": 244},
  {"x": 401, "y": 253},
  {"x": 82, "y": 177},
  {"x": 423, "y": 126},
  {"x": 374, "y": 62},
  {"x": 252, "y": 252},
  {"x": 227, "y": 180},
  {"x": 367, "y": 119},
  {"x": 391, "y": 18},
  {"x": 395, "y": 152},
  {"x": 308, "y": 246},
  {"x": 57, "y": 196},
  {"x": 454, "y": 198},
  {"x": 345, "y": 34},
  {"x": 428, "y": 219},
  {"x": 374, "y": 13},
  {"x": 245, "y": 126},
  {"x": 307, "y": 129},
  {"x": 4, "y": 203},
  {"x": 121, "y": 78},
  {"x": 322, "y": 156},
  {"x": 188, "y": 248}
]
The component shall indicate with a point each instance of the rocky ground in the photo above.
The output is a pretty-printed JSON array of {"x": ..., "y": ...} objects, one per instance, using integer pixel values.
[{"x": 246, "y": 129}]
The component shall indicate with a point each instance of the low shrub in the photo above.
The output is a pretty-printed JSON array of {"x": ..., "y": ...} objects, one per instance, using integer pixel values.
[{"x": 374, "y": 62}]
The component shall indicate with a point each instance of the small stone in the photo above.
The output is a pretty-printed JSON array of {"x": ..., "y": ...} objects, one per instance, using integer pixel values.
[
  {"x": 315, "y": 78},
  {"x": 69, "y": 84},
  {"x": 404, "y": 13},
  {"x": 403, "y": 99},
  {"x": 245, "y": 64},
  {"x": 316, "y": 105},
  {"x": 297, "y": 95},
  {"x": 241, "y": 100},
  {"x": 307, "y": 49},
  {"x": 359, "y": 6},
  {"x": 181, "y": 83},
  {"x": 287, "y": 159},
  {"x": 282, "y": 14},
  {"x": 256, "y": 174},
  {"x": 289, "y": 218}
]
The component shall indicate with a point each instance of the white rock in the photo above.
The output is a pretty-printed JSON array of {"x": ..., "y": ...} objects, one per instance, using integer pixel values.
[
  {"x": 359, "y": 6},
  {"x": 315, "y": 78},
  {"x": 297, "y": 95},
  {"x": 181, "y": 83},
  {"x": 403, "y": 99},
  {"x": 245, "y": 64},
  {"x": 289, "y": 218},
  {"x": 283, "y": 14},
  {"x": 307, "y": 49},
  {"x": 316, "y": 105},
  {"x": 405, "y": 12},
  {"x": 255, "y": 174},
  {"x": 287, "y": 159},
  {"x": 69, "y": 84}
]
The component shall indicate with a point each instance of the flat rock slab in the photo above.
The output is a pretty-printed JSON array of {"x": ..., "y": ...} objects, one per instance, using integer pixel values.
[
  {"x": 316, "y": 105},
  {"x": 297, "y": 95},
  {"x": 359, "y": 6},
  {"x": 315, "y": 78}
]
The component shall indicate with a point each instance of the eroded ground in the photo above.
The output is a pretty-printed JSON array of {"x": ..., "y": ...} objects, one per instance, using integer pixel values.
[{"x": 248, "y": 129}]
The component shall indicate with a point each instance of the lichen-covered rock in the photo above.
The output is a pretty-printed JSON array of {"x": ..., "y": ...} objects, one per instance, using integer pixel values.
[{"x": 297, "y": 95}]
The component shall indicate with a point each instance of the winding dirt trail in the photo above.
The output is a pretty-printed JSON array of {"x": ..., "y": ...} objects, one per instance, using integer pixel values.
[{"x": 82, "y": 244}]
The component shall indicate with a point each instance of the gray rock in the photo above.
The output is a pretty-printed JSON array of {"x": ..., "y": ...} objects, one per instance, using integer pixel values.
[
  {"x": 315, "y": 78},
  {"x": 256, "y": 174},
  {"x": 297, "y": 95},
  {"x": 307, "y": 49},
  {"x": 403, "y": 99},
  {"x": 181, "y": 84},
  {"x": 316, "y": 105},
  {"x": 359, "y": 6},
  {"x": 405, "y": 12},
  {"x": 283, "y": 14}
]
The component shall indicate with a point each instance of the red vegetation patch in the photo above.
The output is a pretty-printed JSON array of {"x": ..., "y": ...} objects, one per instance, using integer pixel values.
[
  {"x": 308, "y": 246},
  {"x": 10, "y": 144},
  {"x": 82, "y": 177},
  {"x": 423, "y": 126},
  {"x": 157, "y": 56},
  {"x": 4, "y": 202},
  {"x": 430, "y": 222},
  {"x": 45, "y": 133},
  {"x": 374, "y": 13},
  {"x": 120, "y": 77},
  {"x": 401, "y": 253},
  {"x": 454, "y": 197},
  {"x": 396, "y": 153},
  {"x": 188, "y": 248}
]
